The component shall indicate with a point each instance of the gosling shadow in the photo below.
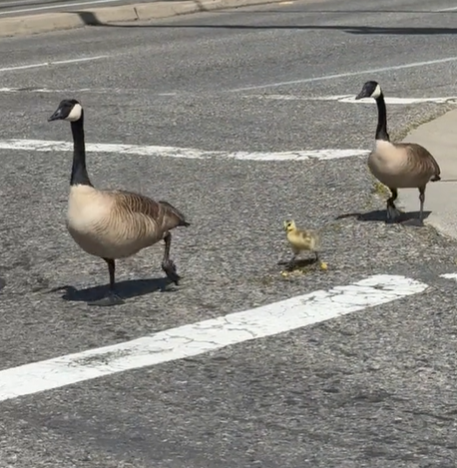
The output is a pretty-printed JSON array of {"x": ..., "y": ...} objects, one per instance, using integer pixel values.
[
  {"x": 2, "y": 283},
  {"x": 297, "y": 264},
  {"x": 124, "y": 289},
  {"x": 381, "y": 216}
]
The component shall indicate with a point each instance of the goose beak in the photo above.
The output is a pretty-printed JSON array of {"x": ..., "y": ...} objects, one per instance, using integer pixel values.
[
  {"x": 56, "y": 116},
  {"x": 361, "y": 95}
]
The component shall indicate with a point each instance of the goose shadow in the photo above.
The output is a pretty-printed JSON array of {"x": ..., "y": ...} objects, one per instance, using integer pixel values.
[
  {"x": 127, "y": 289},
  {"x": 2, "y": 283},
  {"x": 381, "y": 216}
]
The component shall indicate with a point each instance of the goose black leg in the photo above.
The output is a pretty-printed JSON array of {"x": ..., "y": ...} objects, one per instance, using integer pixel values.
[
  {"x": 419, "y": 222},
  {"x": 168, "y": 265},
  {"x": 111, "y": 298},
  {"x": 392, "y": 212}
]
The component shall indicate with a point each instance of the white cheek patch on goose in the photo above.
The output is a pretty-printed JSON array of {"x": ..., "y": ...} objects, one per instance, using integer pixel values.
[
  {"x": 377, "y": 92},
  {"x": 75, "y": 113}
]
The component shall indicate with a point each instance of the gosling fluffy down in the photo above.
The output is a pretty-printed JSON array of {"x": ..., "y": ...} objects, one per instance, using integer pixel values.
[
  {"x": 112, "y": 224},
  {"x": 398, "y": 165},
  {"x": 301, "y": 240}
]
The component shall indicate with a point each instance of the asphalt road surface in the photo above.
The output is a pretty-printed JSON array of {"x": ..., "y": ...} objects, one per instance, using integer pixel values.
[{"x": 375, "y": 388}]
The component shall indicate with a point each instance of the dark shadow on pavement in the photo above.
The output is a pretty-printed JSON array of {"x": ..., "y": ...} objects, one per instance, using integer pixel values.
[
  {"x": 90, "y": 19},
  {"x": 124, "y": 289},
  {"x": 381, "y": 215}
]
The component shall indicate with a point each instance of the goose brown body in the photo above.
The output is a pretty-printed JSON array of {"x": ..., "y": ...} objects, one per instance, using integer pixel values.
[
  {"x": 402, "y": 165},
  {"x": 117, "y": 224}
]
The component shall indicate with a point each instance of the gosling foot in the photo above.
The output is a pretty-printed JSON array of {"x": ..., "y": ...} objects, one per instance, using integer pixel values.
[
  {"x": 111, "y": 299},
  {"x": 169, "y": 267}
]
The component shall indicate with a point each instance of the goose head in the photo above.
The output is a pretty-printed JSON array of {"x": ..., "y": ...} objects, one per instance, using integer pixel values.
[
  {"x": 69, "y": 110},
  {"x": 370, "y": 89}
]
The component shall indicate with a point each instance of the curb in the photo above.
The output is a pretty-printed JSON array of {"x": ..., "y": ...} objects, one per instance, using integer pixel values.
[{"x": 58, "y": 21}]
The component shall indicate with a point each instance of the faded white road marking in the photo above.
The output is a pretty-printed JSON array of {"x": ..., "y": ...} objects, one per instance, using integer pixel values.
[
  {"x": 350, "y": 98},
  {"x": 84, "y": 90},
  {"x": 185, "y": 153},
  {"x": 346, "y": 75},
  {"x": 449, "y": 276},
  {"x": 442, "y": 10},
  {"x": 49, "y": 64},
  {"x": 209, "y": 335}
]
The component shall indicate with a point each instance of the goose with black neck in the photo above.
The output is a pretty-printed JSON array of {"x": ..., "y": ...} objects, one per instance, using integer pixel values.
[
  {"x": 398, "y": 165},
  {"x": 112, "y": 224}
]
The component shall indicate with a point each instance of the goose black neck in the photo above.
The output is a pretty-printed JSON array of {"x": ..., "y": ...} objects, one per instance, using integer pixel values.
[
  {"x": 79, "y": 175},
  {"x": 381, "y": 129}
]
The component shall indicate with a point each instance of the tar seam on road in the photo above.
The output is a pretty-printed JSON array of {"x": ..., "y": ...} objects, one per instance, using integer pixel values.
[
  {"x": 209, "y": 335},
  {"x": 184, "y": 153},
  {"x": 346, "y": 75}
]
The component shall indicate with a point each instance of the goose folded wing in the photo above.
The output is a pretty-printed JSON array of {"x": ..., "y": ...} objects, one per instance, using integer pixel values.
[
  {"x": 162, "y": 213},
  {"x": 422, "y": 161}
]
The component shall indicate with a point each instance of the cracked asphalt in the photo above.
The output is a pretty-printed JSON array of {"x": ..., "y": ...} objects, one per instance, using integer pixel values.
[{"x": 371, "y": 389}]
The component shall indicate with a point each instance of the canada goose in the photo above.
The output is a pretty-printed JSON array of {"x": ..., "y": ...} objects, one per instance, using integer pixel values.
[
  {"x": 112, "y": 224},
  {"x": 301, "y": 240},
  {"x": 398, "y": 165}
]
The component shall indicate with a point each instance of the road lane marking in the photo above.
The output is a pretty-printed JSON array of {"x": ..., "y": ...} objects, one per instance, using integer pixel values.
[
  {"x": 350, "y": 98},
  {"x": 345, "y": 75},
  {"x": 208, "y": 335},
  {"x": 57, "y": 62},
  {"x": 449, "y": 276},
  {"x": 442, "y": 10},
  {"x": 183, "y": 153}
]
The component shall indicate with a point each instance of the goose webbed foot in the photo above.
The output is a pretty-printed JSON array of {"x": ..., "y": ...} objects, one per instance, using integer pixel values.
[
  {"x": 393, "y": 213},
  {"x": 169, "y": 267},
  {"x": 111, "y": 299}
]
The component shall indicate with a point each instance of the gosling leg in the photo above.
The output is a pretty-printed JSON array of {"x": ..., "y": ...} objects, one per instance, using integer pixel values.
[
  {"x": 111, "y": 297},
  {"x": 392, "y": 211},
  {"x": 316, "y": 254},
  {"x": 292, "y": 261},
  {"x": 168, "y": 265}
]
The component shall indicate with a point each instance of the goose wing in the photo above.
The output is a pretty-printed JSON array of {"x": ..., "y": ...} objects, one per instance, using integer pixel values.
[
  {"x": 422, "y": 159},
  {"x": 164, "y": 215}
]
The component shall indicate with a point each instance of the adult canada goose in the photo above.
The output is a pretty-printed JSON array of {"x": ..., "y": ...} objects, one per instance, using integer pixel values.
[
  {"x": 112, "y": 224},
  {"x": 398, "y": 165}
]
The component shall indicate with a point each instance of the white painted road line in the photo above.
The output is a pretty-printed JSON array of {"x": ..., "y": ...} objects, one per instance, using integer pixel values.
[
  {"x": 449, "y": 276},
  {"x": 443, "y": 10},
  {"x": 346, "y": 75},
  {"x": 49, "y": 64},
  {"x": 185, "y": 153},
  {"x": 350, "y": 98},
  {"x": 209, "y": 335}
]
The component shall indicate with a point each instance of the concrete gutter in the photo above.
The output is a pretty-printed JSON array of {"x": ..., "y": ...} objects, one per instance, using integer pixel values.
[
  {"x": 47, "y": 22},
  {"x": 440, "y": 138}
]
